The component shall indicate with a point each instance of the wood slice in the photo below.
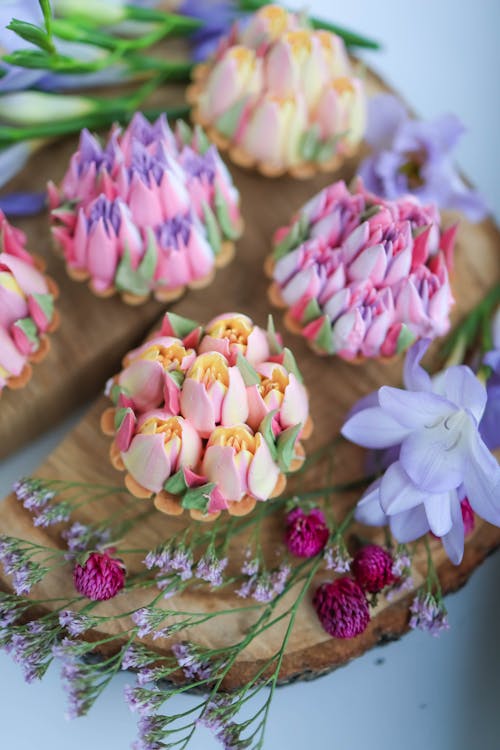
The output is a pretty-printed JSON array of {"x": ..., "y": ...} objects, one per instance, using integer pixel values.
[{"x": 334, "y": 386}]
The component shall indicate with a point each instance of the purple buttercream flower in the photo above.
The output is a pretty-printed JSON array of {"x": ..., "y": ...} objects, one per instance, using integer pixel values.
[
  {"x": 490, "y": 423},
  {"x": 23, "y": 204},
  {"x": 413, "y": 156},
  {"x": 201, "y": 166},
  {"x": 217, "y": 16},
  {"x": 108, "y": 211},
  {"x": 442, "y": 457},
  {"x": 175, "y": 232}
]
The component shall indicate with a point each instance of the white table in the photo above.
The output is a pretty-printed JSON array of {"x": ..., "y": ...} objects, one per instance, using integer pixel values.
[{"x": 441, "y": 694}]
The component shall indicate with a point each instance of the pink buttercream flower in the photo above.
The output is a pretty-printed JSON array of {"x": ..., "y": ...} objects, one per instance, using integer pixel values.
[
  {"x": 306, "y": 533},
  {"x": 241, "y": 463},
  {"x": 280, "y": 391},
  {"x": 372, "y": 567},
  {"x": 100, "y": 577},
  {"x": 147, "y": 212},
  {"x": 213, "y": 393},
  {"x": 282, "y": 94},
  {"x": 342, "y": 608},
  {"x": 162, "y": 444},
  {"x": 362, "y": 276},
  {"x": 232, "y": 334}
]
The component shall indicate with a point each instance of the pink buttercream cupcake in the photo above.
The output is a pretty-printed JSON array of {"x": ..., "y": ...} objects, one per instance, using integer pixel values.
[
  {"x": 281, "y": 96},
  {"x": 361, "y": 276},
  {"x": 208, "y": 419},
  {"x": 151, "y": 212},
  {"x": 27, "y": 312}
]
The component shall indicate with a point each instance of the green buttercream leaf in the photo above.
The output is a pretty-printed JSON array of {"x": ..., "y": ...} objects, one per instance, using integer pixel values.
[
  {"x": 176, "y": 484},
  {"x": 137, "y": 281},
  {"x": 184, "y": 132},
  {"x": 201, "y": 139},
  {"x": 286, "y": 446},
  {"x": 324, "y": 338},
  {"x": 115, "y": 393},
  {"x": 229, "y": 229},
  {"x": 326, "y": 150},
  {"x": 266, "y": 430},
  {"x": 272, "y": 339},
  {"x": 290, "y": 363},
  {"x": 294, "y": 238},
  {"x": 309, "y": 144},
  {"x": 405, "y": 339},
  {"x": 198, "y": 498},
  {"x": 212, "y": 228},
  {"x": 311, "y": 312},
  {"x": 181, "y": 326},
  {"x": 120, "y": 415},
  {"x": 177, "y": 376},
  {"x": 147, "y": 265},
  {"x": 249, "y": 375},
  {"x": 228, "y": 121},
  {"x": 46, "y": 304},
  {"x": 28, "y": 327}
]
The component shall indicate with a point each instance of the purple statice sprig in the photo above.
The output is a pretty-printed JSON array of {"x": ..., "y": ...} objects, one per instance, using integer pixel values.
[
  {"x": 266, "y": 585},
  {"x": 210, "y": 568},
  {"x": 31, "y": 645},
  {"x": 25, "y": 562},
  {"x": 429, "y": 614},
  {"x": 171, "y": 558},
  {"x": 336, "y": 557},
  {"x": 402, "y": 571}
]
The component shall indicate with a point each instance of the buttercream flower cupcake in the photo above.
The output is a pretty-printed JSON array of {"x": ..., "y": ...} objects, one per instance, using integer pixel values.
[
  {"x": 27, "y": 313},
  {"x": 208, "y": 419},
  {"x": 151, "y": 212},
  {"x": 360, "y": 276},
  {"x": 281, "y": 96}
]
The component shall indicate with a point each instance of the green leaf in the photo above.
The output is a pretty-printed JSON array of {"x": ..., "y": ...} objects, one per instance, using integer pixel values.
[
  {"x": 324, "y": 338},
  {"x": 228, "y": 121},
  {"x": 230, "y": 230},
  {"x": 184, "y": 132},
  {"x": 176, "y": 484},
  {"x": 309, "y": 144},
  {"x": 266, "y": 430},
  {"x": 46, "y": 304},
  {"x": 137, "y": 281},
  {"x": 286, "y": 446},
  {"x": 28, "y": 327},
  {"x": 177, "y": 376},
  {"x": 405, "y": 339},
  {"x": 115, "y": 393},
  {"x": 31, "y": 33},
  {"x": 290, "y": 363},
  {"x": 249, "y": 375},
  {"x": 212, "y": 228},
  {"x": 47, "y": 14},
  {"x": 272, "y": 339},
  {"x": 197, "y": 498},
  {"x": 181, "y": 326},
  {"x": 120, "y": 415},
  {"x": 201, "y": 139},
  {"x": 294, "y": 238},
  {"x": 311, "y": 312}
]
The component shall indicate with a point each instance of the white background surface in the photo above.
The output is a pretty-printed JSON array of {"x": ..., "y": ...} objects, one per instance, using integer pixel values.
[{"x": 438, "y": 694}]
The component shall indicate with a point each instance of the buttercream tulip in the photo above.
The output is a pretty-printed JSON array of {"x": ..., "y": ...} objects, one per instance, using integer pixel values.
[
  {"x": 13, "y": 304},
  {"x": 296, "y": 62},
  {"x": 275, "y": 129},
  {"x": 240, "y": 463},
  {"x": 144, "y": 378},
  {"x": 162, "y": 445},
  {"x": 213, "y": 393},
  {"x": 267, "y": 25},
  {"x": 184, "y": 253},
  {"x": 369, "y": 276},
  {"x": 238, "y": 75},
  {"x": 232, "y": 334},
  {"x": 278, "y": 390}
]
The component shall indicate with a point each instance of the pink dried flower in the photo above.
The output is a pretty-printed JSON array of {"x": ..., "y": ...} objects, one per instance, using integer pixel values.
[
  {"x": 306, "y": 533},
  {"x": 372, "y": 568},
  {"x": 101, "y": 577},
  {"x": 342, "y": 608},
  {"x": 363, "y": 276}
]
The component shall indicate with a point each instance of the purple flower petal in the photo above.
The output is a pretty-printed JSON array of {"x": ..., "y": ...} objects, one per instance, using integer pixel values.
[
  {"x": 482, "y": 481},
  {"x": 462, "y": 387},
  {"x": 414, "y": 376},
  {"x": 438, "y": 512},
  {"x": 369, "y": 510},
  {"x": 412, "y": 409},
  {"x": 23, "y": 204},
  {"x": 385, "y": 113},
  {"x": 432, "y": 457},
  {"x": 408, "y": 526},
  {"x": 373, "y": 428},
  {"x": 397, "y": 491},
  {"x": 453, "y": 541}
]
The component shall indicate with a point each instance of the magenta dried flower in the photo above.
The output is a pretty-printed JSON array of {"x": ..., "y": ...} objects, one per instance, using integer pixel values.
[
  {"x": 342, "y": 608},
  {"x": 372, "y": 568},
  {"x": 101, "y": 577},
  {"x": 306, "y": 533}
]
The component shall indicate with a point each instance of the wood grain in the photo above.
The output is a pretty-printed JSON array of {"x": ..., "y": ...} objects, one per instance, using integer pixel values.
[{"x": 334, "y": 386}]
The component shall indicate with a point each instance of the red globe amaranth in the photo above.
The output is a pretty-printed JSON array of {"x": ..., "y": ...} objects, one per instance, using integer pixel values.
[
  {"x": 372, "y": 568},
  {"x": 101, "y": 577},
  {"x": 306, "y": 533},
  {"x": 342, "y": 608}
]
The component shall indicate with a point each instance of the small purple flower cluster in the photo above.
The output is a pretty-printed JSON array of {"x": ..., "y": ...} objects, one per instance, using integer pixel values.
[
  {"x": 75, "y": 622},
  {"x": 31, "y": 647},
  {"x": 148, "y": 620},
  {"x": 17, "y": 563},
  {"x": 144, "y": 701},
  {"x": 210, "y": 568},
  {"x": 428, "y": 614},
  {"x": 189, "y": 660},
  {"x": 81, "y": 537},
  {"x": 337, "y": 558},
  {"x": 169, "y": 559},
  {"x": 267, "y": 585},
  {"x": 33, "y": 493},
  {"x": 216, "y": 717},
  {"x": 151, "y": 733}
]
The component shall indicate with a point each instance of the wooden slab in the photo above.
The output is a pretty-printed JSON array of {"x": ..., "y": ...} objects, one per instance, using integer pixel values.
[{"x": 334, "y": 386}]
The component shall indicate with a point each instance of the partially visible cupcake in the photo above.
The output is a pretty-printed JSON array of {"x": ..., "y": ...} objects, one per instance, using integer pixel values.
[
  {"x": 27, "y": 313},
  {"x": 151, "y": 212},
  {"x": 281, "y": 96},
  {"x": 208, "y": 419},
  {"x": 360, "y": 276}
]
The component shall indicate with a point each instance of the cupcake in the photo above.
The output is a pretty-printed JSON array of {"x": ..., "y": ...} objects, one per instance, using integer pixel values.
[
  {"x": 150, "y": 212},
  {"x": 360, "y": 276},
  {"x": 208, "y": 419},
  {"x": 27, "y": 311},
  {"x": 281, "y": 96}
]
